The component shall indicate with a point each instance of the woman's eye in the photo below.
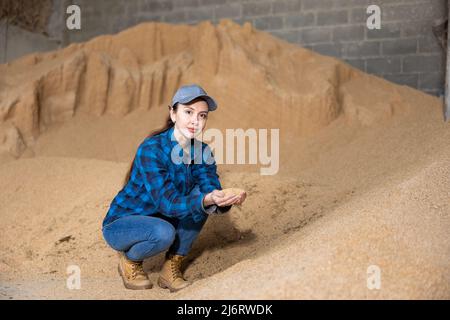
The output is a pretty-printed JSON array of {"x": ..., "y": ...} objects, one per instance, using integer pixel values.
[
  {"x": 187, "y": 111},
  {"x": 203, "y": 116}
]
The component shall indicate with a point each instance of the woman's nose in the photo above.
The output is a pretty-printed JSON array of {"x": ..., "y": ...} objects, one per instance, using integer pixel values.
[{"x": 194, "y": 120}]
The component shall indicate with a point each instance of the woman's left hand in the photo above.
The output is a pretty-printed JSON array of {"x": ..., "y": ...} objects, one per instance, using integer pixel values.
[{"x": 241, "y": 198}]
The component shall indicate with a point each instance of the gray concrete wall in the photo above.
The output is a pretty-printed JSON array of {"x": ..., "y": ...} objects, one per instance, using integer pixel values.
[
  {"x": 16, "y": 42},
  {"x": 404, "y": 50}
]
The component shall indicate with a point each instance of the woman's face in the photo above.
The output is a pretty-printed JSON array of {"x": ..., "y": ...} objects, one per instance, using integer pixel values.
[{"x": 190, "y": 119}]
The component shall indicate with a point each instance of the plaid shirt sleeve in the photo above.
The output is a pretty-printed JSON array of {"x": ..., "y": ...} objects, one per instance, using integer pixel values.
[
  {"x": 150, "y": 163},
  {"x": 205, "y": 175}
]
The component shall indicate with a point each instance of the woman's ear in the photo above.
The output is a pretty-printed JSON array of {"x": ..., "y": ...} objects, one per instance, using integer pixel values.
[{"x": 172, "y": 114}]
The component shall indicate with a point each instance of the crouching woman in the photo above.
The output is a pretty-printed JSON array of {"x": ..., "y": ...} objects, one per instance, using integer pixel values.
[{"x": 165, "y": 203}]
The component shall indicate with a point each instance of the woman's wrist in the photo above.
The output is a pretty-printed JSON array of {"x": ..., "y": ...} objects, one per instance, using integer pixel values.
[{"x": 207, "y": 200}]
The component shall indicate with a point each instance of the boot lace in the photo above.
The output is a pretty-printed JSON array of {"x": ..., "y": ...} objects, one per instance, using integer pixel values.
[
  {"x": 137, "y": 269},
  {"x": 175, "y": 266}
]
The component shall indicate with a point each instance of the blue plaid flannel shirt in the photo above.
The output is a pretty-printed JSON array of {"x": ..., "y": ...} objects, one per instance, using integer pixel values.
[{"x": 158, "y": 184}]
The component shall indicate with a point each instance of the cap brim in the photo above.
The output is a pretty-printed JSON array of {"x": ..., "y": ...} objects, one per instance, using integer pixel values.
[{"x": 212, "y": 105}]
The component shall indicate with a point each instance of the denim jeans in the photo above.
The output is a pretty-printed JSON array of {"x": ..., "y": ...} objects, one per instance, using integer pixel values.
[{"x": 141, "y": 237}]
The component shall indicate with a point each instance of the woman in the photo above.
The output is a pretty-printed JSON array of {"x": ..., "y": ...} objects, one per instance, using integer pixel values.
[{"x": 165, "y": 202}]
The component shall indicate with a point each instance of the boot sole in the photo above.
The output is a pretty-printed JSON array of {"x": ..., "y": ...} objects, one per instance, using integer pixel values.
[
  {"x": 164, "y": 284},
  {"x": 131, "y": 286}
]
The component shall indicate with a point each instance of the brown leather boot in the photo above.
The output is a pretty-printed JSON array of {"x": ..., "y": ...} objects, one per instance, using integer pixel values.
[
  {"x": 171, "y": 277},
  {"x": 133, "y": 274}
]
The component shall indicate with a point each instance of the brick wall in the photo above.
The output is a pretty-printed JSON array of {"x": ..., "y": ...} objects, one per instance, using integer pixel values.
[{"x": 404, "y": 50}]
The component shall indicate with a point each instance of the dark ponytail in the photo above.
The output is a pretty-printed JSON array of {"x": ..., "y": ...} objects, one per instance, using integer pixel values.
[{"x": 168, "y": 124}]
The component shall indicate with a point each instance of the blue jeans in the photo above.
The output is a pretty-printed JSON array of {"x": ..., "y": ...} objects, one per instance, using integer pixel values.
[{"x": 141, "y": 237}]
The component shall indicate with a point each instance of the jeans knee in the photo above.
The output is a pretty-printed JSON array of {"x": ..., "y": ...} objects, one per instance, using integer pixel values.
[{"x": 165, "y": 235}]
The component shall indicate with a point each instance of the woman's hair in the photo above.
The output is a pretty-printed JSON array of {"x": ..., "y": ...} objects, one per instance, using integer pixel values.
[{"x": 169, "y": 124}]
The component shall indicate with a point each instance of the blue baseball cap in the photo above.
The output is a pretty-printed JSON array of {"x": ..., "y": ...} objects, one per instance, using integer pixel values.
[{"x": 186, "y": 94}]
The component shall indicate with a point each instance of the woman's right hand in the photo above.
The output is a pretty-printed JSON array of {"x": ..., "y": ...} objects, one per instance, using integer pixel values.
[{"x": 218, "y": 198}]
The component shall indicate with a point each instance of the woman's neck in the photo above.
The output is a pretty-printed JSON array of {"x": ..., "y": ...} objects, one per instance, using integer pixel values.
[
  {"x": 181, "y": 139},
  {"x": 184, "y": 143}
]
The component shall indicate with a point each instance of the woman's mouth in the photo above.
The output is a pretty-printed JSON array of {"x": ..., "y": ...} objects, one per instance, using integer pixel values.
[{"x": 192, "y": 130}]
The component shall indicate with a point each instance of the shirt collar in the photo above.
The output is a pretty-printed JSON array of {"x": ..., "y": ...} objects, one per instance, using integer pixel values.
[{"x": 174, "y": 144}]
